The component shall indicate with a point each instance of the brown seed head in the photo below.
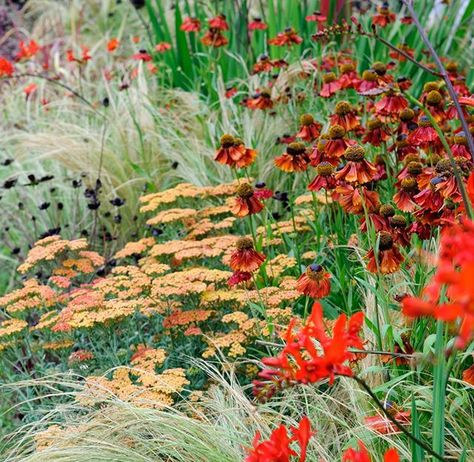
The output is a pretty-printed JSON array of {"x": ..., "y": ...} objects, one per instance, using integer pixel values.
[
  {"x": 373, "y": 124},
  {"x": 306, "y": 119},
  {"x": 342, "y": 108},
  {"x": 434, "y": 97},
  {"x": 430, "y": 86},
  {"x": 387, "y": 210},
  {"x": 354, "y": 153},
  {"x": 414, "y": 168},
  {"x": 227, "y": 141},
  {"x": 379, "y": 67},
  {"x": 398, "y": 221},
  {"x": 325, "y": 169},
  {"x": 385, "y": 240},
  {"x": 407, "y": 114},
  {"x": 336, "y": 132},
  {"x": 244, "y": 243},
  {"x": 244, "y": 191},
  {"x": 296, "y": 148},
  {"x": 409, "y": 184},
  {"x": 369, "y": 76}
]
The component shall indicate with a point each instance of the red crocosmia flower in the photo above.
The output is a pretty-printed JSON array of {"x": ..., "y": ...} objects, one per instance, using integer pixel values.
[
  {"x": 30, "y": 89},
  {"x": 468, "y": 375},
  {"x": 27, "y": 50},
  {"x": 247, "y": 201},
  {"x": 294, "y": 159},
  {"x": 425, "y": 135},
  {"x": 391, "y": 104},
  {"x": 289, "y": 37},
  {"x": 325, "y": 177},
  {"x": 391, "y": 456},
  {"x": 357, "y": 455},
  {"x": 257, "y": 24},
  {"x": 345, "y": 116},
  {"x": 70, "y": 56},
  {"x": 6, "y": 68},
  {"x": 381, "y": 424},
  {"x": 218, "y": 22},
  {"x": 357, "y": 169},
  {"x": 388, "y": 258},
  {"x": 261, "y": 100},
  {"x": 376, "y": 133},
  {"x": 142, "y": 55},
  {"x": 316, "y": 17},
  {"x": 356, "y": 200},
  {"x": 336, "y": 145},
  {"x": 330, "y": 85},
  {"x": 277, "y": 447},
  {"x": 246, "y": 259},
  {"x": 301, "y": 362},
  {"x": 191, "y": 25},
  {"x": 85, "y": 55},
  {"x": 310, "y": 129},
  {"x": 384, "y": 17},
  {"x": 238, "y": 277},
  {"x": 112, "y": 45},
  {"x": 314, "y": 282},
  {"x": 162, "y": 47},
  {"x": 214, "y": 38}
]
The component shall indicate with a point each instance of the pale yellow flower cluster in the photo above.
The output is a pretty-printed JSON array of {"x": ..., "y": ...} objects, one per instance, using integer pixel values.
[{"x": 12, "y": 326}]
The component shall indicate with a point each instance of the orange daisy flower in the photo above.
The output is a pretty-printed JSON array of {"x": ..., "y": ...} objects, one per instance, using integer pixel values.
[
  {"x": 357, "y": 169},
  {"x": 388, "y": 259},
  {"x": 295, "y": 159}
]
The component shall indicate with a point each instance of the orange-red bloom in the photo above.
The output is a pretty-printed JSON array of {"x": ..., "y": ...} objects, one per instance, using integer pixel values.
[
  {"x": 295, "y": 159},
  {"x": 6, "y": 68},
  {"x": 314, "y": 282},
  {"x": 191, "y": 25},
  {"x": 247, "y": 201},
  {"x": 330, "y": 85},
  {"x": 246, "y": 259},
  {"x": 345, "y": 116},
  {"x": 214, "y": 38},
  {"x": 388, "y": 258},
  {"x": 289, "y": 37},
  {"x": 27, "y": 50},
  {"x": 277, "y": 447},
  {"x": 162, "y": 47},
  {"x": 257, "y": 24},
  {"x": 112, "y": 45},
  {"x": 357, "y": 169},
  {"x": 218, "y": 22},
  {"x": 362, "y": 455}
]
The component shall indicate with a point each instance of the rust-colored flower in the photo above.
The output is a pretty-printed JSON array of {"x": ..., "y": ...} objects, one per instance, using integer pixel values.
[
  {"x": 294, "y": 159},
  {"x": 388, "y": 258},
  {"x": 377, "y": 133},
  {"x": 257, "y": 24},
  {"x": 214, "y": 38},
  {"x": 314, "y": 282},
  {"x": 310, "y": 129},
  {"x": 331, "y": 85},
  {"x": 261, "y": 100},
  {"x": 357, "y": 169},
  {"x": 337, "y": 143},
  {"x": 384, "y": 16},
  {"x": 191, "y": 25},
  {"x": 289, "y": 37},
  {"x": 324, "y": 178},
  {"x": 218, "y": 22},
  {"x": 345, "y": 116},
  {"x": 247, "y": 201},
  {"x": 229, "y": 153},
  {"x": 246, "y": 259}
]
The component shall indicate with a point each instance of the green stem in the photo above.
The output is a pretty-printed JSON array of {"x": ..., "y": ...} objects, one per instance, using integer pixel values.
[{"x": 439, "y": 390}]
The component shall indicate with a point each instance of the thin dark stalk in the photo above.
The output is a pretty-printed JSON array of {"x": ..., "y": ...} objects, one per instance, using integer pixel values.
[
  {"x": 443, "y": 73},
  {"x": 400, "y": 427}
]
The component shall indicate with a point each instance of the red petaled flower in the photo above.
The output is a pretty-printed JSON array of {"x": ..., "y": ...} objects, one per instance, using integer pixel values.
[
  {"x": 162, "y": 47},
  {"x": 381, "y": 424},
  {"x": 6, "y": 68},
  {"x": 238, "y": 277},
  {"x": 388, "y": 258},
  {"x": 142, "y": 55},
  {"x": 302, "y": 361},
  {"x": 191, "y": 25},
  {"x": 356, "y": 200},
  {"x": 314, "y": 282},
  {"x": 362, "y": 455},
  {"x": 295, "y": 159},
  {"x": 357, "y": 169},
  {"x": 234, "y": 153},
  {"x": 214, "y": 38},
  {"x": 330, "y": 85},
  {"x": 349, "y": 77},
  {"x": 112, "y": 45},
  {"x": 425, "y": 135},
  {"x": 345, "y": 117},
  {"x": 455, "y": 273},
  {"x": 257, "y": 24},
  {"x": 325, "y": 177},
  {"x": 218, "y": 22},
  {"x": 277, "y": 447},
  {"x": 336, "y": 145},
  {"x": 376, "y": 133},
  {"x": 316, "y": 17},
  {"x": 310, "y": 129},
  {"x": 27, "y": 50},
  {"x": 247, "y": 201},
  {"x": 391, "y": 105},
  {"x": 383, "y": 17},
  {"x": 246, "y": 259},
  {"x": 261, "y": 100},
  {"x": 289, "y": 37}
]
